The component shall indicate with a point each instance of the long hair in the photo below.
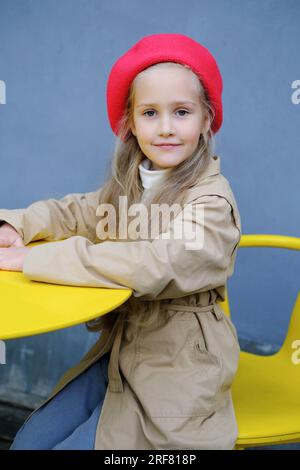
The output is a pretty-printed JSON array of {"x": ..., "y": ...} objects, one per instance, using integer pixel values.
[{"x": 124, "y": 180}]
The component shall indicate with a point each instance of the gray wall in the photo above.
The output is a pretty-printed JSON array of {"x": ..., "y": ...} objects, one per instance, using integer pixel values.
[{"x": 55, "y": 57}]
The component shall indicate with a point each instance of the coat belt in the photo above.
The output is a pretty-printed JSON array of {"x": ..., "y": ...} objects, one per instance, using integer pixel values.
[{"x": 114, "y": 376}]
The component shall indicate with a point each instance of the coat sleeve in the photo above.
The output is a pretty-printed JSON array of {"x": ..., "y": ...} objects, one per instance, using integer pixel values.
[
  {"x": 153, "y": 269},
  {"x": 55, "y": 219}
]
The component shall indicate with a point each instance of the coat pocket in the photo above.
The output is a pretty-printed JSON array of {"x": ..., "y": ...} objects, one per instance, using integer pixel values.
[
  {"x": 219, "y": 337},
  {"x": 175, "y": 374}
]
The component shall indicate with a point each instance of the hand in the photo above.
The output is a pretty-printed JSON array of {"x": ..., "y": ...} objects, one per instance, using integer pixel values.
[
  {"x": 9, "y": 236},
  {"x": 12, "y": 259}
]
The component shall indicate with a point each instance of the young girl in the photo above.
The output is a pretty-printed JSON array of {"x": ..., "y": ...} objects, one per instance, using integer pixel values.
[{"x": 160, "y": 374}]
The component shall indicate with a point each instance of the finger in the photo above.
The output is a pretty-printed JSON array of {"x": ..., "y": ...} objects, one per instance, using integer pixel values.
[
  {"x": 9, "y": 264},
  {"x": 18, "y": 242},
  {"x": 5, "y": 267}
]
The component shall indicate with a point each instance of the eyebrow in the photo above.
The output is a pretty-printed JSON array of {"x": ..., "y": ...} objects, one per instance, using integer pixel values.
[{"x": 174, "y": 102}]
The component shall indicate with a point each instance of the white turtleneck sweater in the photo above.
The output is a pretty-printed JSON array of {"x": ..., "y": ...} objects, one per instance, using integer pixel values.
[{"x": 149, "y": 177}]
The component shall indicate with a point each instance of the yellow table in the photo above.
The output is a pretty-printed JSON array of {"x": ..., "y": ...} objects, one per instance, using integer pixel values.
[{"x": 31, "y": 307}]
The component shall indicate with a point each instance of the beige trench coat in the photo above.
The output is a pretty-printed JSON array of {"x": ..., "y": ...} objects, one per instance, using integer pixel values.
[{"x": 169, "y": 385}]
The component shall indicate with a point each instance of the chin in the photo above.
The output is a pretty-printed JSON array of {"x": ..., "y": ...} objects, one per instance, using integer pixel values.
[
  {"x": 169, "y": 162},
  {"x": 163, "y": 164}
]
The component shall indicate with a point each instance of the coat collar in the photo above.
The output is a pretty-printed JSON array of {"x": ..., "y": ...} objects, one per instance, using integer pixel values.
[
  {"x": 150, "y": 177},
  {"x": 213, "y": 167}
]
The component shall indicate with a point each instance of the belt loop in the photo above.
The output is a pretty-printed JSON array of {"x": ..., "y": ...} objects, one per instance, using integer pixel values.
[{"x": 218, "y": 312}]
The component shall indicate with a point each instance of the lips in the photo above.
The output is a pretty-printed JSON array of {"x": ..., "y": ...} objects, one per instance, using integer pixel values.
[{"x": 168, "y": 146}]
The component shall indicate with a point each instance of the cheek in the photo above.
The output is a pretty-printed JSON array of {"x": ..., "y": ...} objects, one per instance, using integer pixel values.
[
  {"x": 144, "y": 131},
  {"x": 192, "y": 130},
  {"x": 192, "y": 135}
]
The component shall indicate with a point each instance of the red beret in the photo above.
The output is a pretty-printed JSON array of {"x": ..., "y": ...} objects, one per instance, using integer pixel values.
[{"x": 163, "y": 48}]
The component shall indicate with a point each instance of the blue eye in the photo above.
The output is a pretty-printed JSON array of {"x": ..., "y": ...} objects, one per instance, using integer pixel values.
[
  {"x": 148, "y": 112},
  {"x": 180, "y": 110}
]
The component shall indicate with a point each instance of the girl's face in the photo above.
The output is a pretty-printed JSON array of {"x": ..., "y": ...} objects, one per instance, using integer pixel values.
[{"x": 167, "y": 109}]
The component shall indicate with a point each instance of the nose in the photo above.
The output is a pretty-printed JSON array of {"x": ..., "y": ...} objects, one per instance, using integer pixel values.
[{"x": 165, "y": 125}]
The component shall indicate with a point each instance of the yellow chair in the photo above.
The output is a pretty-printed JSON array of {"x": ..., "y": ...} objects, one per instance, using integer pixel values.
[{"x": 266, "y": 389}]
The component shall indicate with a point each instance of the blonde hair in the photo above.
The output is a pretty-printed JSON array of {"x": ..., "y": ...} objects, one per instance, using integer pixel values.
[{"x": 124, "y": 180}]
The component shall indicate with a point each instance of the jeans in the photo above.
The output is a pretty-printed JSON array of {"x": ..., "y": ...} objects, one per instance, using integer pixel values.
[{"x": 69, "y": 420}]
